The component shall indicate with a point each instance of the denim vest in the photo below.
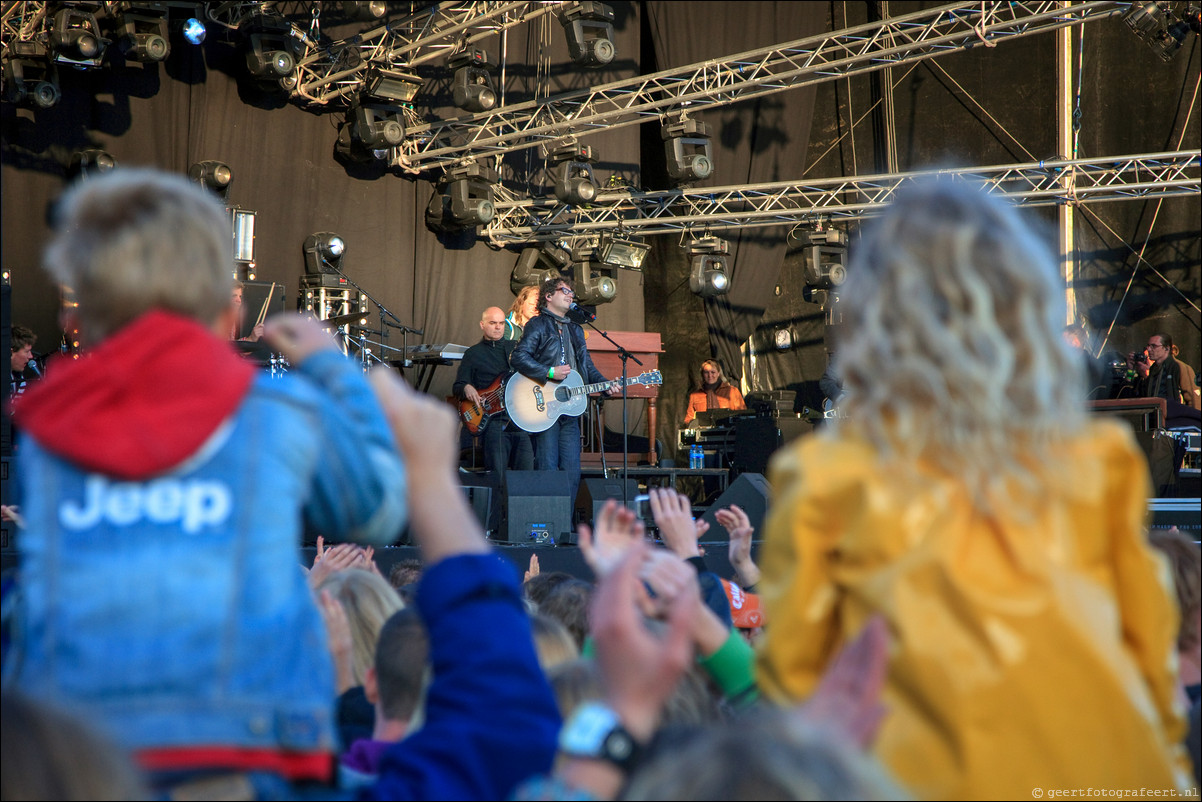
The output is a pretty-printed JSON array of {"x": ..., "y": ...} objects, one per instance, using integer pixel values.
[{"x": 175, "y": 609}]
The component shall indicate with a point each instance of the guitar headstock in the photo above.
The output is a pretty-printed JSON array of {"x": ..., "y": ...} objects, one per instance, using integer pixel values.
[{"x": 651, "y": 377}]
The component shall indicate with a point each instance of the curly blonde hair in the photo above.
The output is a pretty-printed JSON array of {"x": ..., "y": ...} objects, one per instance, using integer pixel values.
[{"x": 952, "y": 349}]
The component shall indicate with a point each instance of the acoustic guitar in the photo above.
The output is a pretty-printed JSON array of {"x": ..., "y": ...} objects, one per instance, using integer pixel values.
[
  {"x": 492, "y": 400},
  {"x": 534, "y": 406}
]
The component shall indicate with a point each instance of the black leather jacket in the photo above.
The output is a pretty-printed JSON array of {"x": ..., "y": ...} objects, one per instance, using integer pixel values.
[{"x": 540, "y": 349}]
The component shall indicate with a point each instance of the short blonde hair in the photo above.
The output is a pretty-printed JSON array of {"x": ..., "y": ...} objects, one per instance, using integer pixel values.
[{"x": 138, "y": 239}]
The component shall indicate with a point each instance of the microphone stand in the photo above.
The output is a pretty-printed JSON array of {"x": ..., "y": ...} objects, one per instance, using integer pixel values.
[
  {"x": 624, "y": 355},
  {"x": 384, "y": 323}
]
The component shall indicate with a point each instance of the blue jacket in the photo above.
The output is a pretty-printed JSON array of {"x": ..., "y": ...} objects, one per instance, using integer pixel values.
[
  {"x": 170, "y": 602},
  {"x": 491, "y": 719},
  {"x": 541, "y": 349}
]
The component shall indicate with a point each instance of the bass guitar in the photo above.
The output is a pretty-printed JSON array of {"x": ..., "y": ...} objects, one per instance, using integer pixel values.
[
  {"x": 534, "y": 406},
  {"x": 492, "y": 401}
]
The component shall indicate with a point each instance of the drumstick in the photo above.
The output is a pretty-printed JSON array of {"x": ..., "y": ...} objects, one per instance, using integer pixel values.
[{"x": 263, "y": 311}]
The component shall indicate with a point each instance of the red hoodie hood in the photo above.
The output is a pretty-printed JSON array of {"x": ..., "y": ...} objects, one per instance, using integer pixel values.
[{"x": 141, "y": 402}]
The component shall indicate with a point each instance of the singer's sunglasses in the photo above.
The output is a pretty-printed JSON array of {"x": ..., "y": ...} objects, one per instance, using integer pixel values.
[{"x": 567, "y": 290}]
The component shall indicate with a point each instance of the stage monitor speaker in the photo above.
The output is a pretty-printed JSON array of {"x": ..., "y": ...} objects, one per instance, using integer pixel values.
[
  {"x": 595, "y": 490},
  {"x": 538, "y": 508},
  {"x": 480, "y": 499},
  {"x": 750, "y": 491}
]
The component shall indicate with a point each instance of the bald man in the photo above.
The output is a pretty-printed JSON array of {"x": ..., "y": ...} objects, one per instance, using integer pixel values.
[{"x": 505, "y": 445}]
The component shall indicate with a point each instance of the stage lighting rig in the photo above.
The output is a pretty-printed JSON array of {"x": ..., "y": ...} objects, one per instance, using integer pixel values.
[
  {"x": 537, "y": 263},
  {"x": 75, "y": 38},
  {"x": 689, "y": 150},
  {"x": 91, "y": 162},
  {"x": 594, "y": 283},
  {"x": 391, "y": 85},
  {"x": 472, "y": 89},
  {"x": 213, "y": 175},
  {"x": 30, "y": 77},
  {"x": 324, "y": 252},
  {"x": 1160, "y": 27},
  {"x": 572, "y": 175},
  {"x": 825, "y": 253},
  {"x": 369, "y": 131},
  {"x": 364, "y": 11},
  {"x": 462, "y": 199},
  {"x": 142, "y": 32},
  {"x": 621, "y": 251},
  {"x": 708, "y": 276},
  {"x": 589, "y": 28},
  {"x": 271, "y": 52}
]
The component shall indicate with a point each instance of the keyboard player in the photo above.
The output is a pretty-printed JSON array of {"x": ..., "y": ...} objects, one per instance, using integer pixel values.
[{"x": 714, "y": 393}]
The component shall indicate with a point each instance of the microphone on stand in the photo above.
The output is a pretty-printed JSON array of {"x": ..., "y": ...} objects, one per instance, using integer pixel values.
[{"x": 580, "y": 315}]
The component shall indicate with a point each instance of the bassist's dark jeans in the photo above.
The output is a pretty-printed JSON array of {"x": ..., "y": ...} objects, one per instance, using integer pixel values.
[
  {"x": 558, "y": 449},
  {"x": 506, "y": 447}
]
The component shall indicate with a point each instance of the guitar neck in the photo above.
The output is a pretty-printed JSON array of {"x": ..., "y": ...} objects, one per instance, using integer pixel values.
[{"x": 599, "y": 386}]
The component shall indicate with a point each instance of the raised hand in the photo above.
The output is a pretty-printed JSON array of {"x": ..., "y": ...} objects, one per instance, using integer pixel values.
[
  {"x": 673, "y": 514},
  {"x": 617, "y": 530},
  {"x": 739, "y": 526}
]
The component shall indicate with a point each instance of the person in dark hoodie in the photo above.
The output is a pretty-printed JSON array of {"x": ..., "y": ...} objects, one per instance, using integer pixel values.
[{"x": 165, "y": 483}]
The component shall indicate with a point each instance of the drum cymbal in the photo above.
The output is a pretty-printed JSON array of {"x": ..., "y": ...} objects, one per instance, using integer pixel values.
[{"x": 358, "y": 317}]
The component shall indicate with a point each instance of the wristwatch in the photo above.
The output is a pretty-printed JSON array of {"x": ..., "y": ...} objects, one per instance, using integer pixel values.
[{"x": 594, "y": 731}]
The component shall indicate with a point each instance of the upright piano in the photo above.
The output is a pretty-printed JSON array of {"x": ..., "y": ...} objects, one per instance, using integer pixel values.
[{"x": 647, "y": 346}]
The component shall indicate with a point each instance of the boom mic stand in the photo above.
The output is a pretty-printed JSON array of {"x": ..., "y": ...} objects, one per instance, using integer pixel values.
[
  {"x": 624, "y": 355},
  {"x": 384, "y": 322}
]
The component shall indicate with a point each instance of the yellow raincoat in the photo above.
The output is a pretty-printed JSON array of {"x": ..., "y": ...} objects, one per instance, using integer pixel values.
[{"x": 1031, "y": 649}]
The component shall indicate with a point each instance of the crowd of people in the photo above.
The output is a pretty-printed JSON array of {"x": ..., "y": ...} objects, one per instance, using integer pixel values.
[{"x": 956, "y": 594}]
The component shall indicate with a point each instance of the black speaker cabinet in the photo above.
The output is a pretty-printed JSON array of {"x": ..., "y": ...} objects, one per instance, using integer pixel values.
[
  {"x": 750, "y": 491},
  {"x": 757, "y": 438},
  {"x": 594, "y": 490},
  {"x": 539, "y": 511}
]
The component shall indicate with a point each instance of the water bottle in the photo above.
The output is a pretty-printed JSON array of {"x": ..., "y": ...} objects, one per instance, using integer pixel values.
[{"x": 695, "y": 457}]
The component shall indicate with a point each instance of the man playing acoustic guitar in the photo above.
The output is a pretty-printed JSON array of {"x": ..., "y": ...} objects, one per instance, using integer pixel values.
[
  {"x": 551, "y": 348},
  {"x": 480, "y": 383}
]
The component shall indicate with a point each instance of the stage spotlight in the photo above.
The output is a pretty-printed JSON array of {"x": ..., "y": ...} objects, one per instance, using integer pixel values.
[
  {"x": 1160, "y": 28},
  {"x": 270, "y": 52},
  {"x": 391, "y": 85},
  {"x": 369, "y": 130},
  {"x": 536, "y": 264},
  {"x": 30, "y": 78},
  {"x": 364, "y": 11},
  {"x": 572, "y": 175},
  {"x": 473, "y": 89},
  {"x": 75, "y": 39},
  {"x": 324, "y": 252},
  {"x": 462, "y": 199},
  {"x": 615, "y": 249},
  {"x": 91, "y": 162},
  {"x": 142, "y": 33},
  {"x": 594, "y": 285},
  {"x": 825, "y": 255},
  {"x": 689, "y": 151},
  {"x": 589, "y": 27},
  {"x": 470, "y": 189},
  {"x": 214, "y": 175},
  {"x": 708, "y": 275},
  {"x": 194, "y": 31}
]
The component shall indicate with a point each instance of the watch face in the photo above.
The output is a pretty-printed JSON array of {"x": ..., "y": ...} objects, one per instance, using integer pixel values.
[
  {"x": 618, "y": 746},
  {"x": 586, "y": 731}
]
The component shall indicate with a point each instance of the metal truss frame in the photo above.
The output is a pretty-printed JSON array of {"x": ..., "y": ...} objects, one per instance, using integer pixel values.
[
  {"x": 844, "y": 200},
  {"x": 865, "y": 48},
  {"x": 336, "y": 70}
]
